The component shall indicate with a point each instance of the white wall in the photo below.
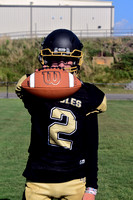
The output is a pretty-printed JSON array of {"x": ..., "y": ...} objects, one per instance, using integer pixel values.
[
  {"x": 40, "y": 20},
  {"x": 51, "y": 18},
  {"x": 14, "y": 19}
]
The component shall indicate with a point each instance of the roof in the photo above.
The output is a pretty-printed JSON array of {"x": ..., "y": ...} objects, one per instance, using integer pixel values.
[{"x": 57, "y": 2}]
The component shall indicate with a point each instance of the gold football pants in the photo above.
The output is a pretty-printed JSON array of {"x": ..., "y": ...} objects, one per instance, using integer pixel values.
[{"x": 71, "y": 190}]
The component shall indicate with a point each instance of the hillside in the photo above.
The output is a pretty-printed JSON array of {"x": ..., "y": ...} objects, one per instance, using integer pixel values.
[{"x": 18, "y": 57}]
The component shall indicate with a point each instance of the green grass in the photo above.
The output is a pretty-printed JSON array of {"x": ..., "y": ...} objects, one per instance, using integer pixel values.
[
  {"x": 14, "y": 137},
  {"x": 115, "y": 150}
]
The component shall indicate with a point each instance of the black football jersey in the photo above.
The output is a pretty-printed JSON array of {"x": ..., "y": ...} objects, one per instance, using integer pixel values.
[{"x": 64, "y": 136}]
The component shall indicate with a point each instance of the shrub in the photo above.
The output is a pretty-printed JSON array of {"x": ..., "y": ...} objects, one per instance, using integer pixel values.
[{"x": 18, "y": 57}]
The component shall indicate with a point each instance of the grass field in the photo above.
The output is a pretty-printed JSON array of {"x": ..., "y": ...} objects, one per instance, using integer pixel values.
[{"x": 115, "y": 150}]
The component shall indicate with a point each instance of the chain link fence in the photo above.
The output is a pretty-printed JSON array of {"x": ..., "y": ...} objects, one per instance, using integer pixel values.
[{"x": 7, "y": 89}]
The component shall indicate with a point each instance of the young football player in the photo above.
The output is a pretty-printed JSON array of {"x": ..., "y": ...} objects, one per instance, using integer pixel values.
[{"x": 63, "y": 152}]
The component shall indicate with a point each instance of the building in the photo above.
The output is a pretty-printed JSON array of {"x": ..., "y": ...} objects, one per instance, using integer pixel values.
[{"x": 28, "y": 18}]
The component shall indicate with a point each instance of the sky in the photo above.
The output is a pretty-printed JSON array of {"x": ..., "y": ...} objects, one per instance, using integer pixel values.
[{"x": 123, "y": 14}]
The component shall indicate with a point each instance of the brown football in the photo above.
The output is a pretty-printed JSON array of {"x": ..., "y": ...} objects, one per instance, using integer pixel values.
[{"x": 52, "y": 83}]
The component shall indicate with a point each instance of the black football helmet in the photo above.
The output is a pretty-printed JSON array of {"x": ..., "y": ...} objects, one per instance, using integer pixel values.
[{"x": 61, "y": 44}]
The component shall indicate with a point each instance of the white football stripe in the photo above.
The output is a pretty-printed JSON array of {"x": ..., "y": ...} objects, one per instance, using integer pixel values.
[
  {"x": 32, "y": 80},
  {"x": 71, "y": 80}
]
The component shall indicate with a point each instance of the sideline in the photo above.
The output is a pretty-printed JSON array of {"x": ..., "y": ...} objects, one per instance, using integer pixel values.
[{"x": 119, "y": 96}]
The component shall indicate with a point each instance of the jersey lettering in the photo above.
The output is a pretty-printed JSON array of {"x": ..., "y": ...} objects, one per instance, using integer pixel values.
[
  {"x": 73, "y": 102},
  {"x": 58, "y": 128}
]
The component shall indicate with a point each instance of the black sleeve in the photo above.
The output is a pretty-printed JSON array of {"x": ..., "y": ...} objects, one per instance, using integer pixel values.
[
  {"x": 29, "y": 101},
  {"x": 96, "y": 99},
  {"x": 91, "y": 151}
]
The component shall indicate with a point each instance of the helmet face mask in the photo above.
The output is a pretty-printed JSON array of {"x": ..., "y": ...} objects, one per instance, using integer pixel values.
[{"x": 61, "y": 45}]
